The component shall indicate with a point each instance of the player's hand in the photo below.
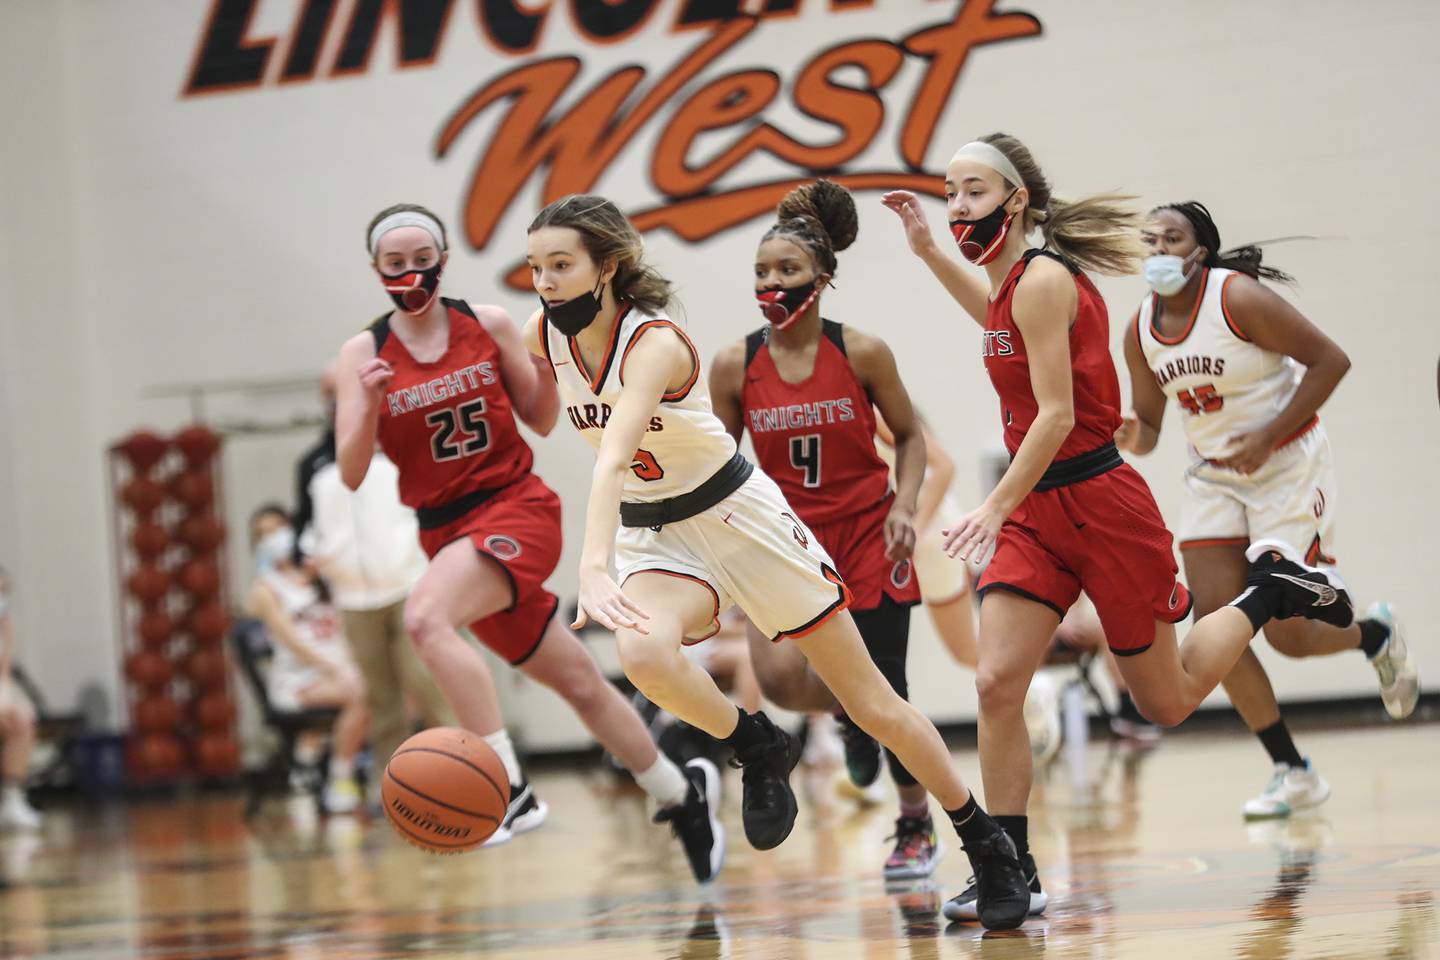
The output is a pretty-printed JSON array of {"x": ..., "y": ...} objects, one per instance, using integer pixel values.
[
  {"x": 1245, "y": 452},
  {"x": 602, "y": 600},
  {"x": 375, "y": 375},
  {"x": 975, "y": 534},
  {"x": 899, "y": 534},
  {"x": 1129, "y": 433},
  {"x": 912, "y": 217}
]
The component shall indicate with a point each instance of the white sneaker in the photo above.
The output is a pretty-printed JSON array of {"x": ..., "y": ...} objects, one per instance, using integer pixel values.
[
  {"x": 823, "y": 746},
  {"x": 1290, "y": 789},
  {"x": 342, "y": 795},
  {"x": 525, "y": 813},
  {"x": 17, "y": 814},
  {"x": 1395, "y": 665},
  {"x": 1042, "y": 718}
]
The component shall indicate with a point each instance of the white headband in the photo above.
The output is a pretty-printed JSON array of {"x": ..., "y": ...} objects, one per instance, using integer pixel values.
[
  {"x": 992, "y": 158},
  {"x": 407, "y": 218}
]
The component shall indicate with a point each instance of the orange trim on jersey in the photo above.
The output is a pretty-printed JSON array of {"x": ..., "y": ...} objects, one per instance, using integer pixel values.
[
  {"x": 1315, "y": 555},
  {"x": 1215, "y": 542},
  {"x": 597, "y": 381},
  {"x": 1189, "y": 324},
  {"x": 715, "y": 617},
  {"x": 682, "y": 391},
  {"x": 844, "y": 601},
  {"x": 1225, "y": 309},
  {"x": 1305, "y": 428}
]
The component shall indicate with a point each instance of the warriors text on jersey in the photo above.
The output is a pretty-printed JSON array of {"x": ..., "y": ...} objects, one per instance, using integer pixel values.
[
  {"x": 815, "y": 438},
  {"x": 1222, "y": 381},
  {"x": 685, "y": 442},
  {"x": 448, "y": 425},
  {"x": 1096, "y": 388}
]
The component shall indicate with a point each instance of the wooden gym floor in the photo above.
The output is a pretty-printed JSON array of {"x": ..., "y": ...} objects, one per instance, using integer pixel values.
[{"x": 1145, "y": 856}]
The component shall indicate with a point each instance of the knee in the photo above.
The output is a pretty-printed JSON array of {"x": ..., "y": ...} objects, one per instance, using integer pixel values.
[
  {"x": 424, "y": 622},
  {"x": 650, "y": 661},
  {"x": 1000, "y": 690},
  {"x": 579, "y": 683},
  {"x": 1161, "y": 711}
]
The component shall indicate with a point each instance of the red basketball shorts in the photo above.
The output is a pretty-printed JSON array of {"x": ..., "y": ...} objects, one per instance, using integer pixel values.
[
  {"x": 518, "y": 528},
  {"x": 857, "y": 545},
  {"x": 1105, "y": 536}
]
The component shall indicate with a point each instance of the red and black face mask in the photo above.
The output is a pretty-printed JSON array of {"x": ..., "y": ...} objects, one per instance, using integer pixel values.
[
  {"x": 980, "y": 240},
  {"x": 413, "y": 290},
  {"x": 783, "y": 306}
]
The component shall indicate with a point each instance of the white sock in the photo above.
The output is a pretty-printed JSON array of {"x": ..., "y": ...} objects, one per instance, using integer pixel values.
[
  {"x": 500, "y": 743},
  {"x": 664, "y": 782},
  {"x": 341, "y": 769}
]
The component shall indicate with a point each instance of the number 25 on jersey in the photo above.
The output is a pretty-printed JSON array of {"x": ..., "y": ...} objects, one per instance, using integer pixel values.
[{"x": 458, "y": 431}]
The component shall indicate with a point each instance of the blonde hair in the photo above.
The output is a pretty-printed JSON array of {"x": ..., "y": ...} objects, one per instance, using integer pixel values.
[
  {"x": 609, "y": 237},
  {"x": 820, "y": 217},
  {"x": 1098, "y": 233}
]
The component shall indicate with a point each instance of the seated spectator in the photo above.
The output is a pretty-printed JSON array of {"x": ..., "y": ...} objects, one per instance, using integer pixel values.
[
  {"x": 17, "y": 728},
  {"x": 312, "y": 666}
]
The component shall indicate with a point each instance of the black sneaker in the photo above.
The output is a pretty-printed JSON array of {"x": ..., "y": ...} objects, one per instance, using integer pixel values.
[
  {"x": 862, "y": 753},
  {"x": 1305, "y": 591},
  {"x": 963, "y": 908},
  {"x": 1002, "y": 893},
  {"x": 767, "y": 803},
  {"x": 696, "y": 822},
  {"x": 525, "y": 812}
]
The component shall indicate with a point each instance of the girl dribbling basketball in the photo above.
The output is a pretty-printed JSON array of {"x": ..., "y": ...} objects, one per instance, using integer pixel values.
[{"x": 700, "y": 529}]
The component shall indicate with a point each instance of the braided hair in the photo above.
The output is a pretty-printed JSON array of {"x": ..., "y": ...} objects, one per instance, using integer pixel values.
[
  {"x": 819, "y": 217},
  {"x": 1244, "y": 259}
]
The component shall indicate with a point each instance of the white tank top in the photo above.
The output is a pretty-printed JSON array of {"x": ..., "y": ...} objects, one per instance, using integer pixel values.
[
  {"x": 314, "y": 621},
  {"x": 1223, "y": 383},
  {"x": 685, "y": 443}
]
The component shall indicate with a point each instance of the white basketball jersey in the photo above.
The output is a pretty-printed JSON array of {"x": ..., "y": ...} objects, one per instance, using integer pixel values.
[
  {"x": 1223, "y": 383},
  {"x": 314, "y": 621},
  {"x": 685, "y": 442}
]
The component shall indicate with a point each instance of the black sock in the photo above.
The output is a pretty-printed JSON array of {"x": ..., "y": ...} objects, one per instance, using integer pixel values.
[
  {"x": 1276, "y": 741},
  {"x": 1259, "y": 605},
  {"x": 748, "y": 732},
  {"x": 971, "y": 822},
  {"x": 1128, "y": 710},
  {"x": 1373, "y": 634},
  {"x": 1019, "y": 830}
]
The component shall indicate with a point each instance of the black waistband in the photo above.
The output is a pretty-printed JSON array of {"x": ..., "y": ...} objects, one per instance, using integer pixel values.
[
  {"x": 724, "y": 482},
  {"x": 447, "y": 513},
  {"x": 1062, "y": 473}
]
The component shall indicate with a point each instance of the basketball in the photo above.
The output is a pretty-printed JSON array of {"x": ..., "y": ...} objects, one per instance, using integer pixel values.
[{"x": 445, "y": 790}]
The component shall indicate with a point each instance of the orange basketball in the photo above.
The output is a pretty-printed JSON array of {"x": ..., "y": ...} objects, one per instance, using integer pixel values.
[{"x": 445, "y": 790}]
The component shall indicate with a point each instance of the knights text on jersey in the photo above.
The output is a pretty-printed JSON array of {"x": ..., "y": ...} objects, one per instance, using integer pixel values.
[
  {"x": 816, "y": 438},
  {"x": 1223, "y": 383},
  {"x": 1092, "y": 370},
  {"x": 684, "y": 444},
  {"x": 449, "y": 425}
]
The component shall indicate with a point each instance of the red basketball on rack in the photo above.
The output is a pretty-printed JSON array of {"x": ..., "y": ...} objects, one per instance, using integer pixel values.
[
  {"x": 142, "y": 449},
  {"x": 217, "y": 755},
  {"x": 207, "y": 623},
  {"x": 142, "y": 495},
  {"x": 215, "y": 710},
  {"x": 155, "y": 628},
  {"x": 148, "y": 669},
  {"x": 148, "y": 583},
  {"x": 149, "y": 540},
  {"x": 157, "y": 714},
  {"x": 154, "y": 756},
  {"x": 197, "y": 445},
  {"x": 202, "y": 533},
  {"x": 194, "y": 488},
  {"x": 200, "y": 579},
  {"x": 205, "y": 669}
]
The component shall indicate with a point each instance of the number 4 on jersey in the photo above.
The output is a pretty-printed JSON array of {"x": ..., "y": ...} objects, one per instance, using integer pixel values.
[
  {"x": 805, "y": 456},
  {"x": 1202, "y": 399}
]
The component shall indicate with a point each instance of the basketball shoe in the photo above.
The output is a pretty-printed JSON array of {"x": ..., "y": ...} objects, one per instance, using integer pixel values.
[
  {"x": 917, "y": 849},
  {"x": 696, "y": 822},
  {"x": 1304, "y": 591},
  {"x": 862, "y": 752},
  {"x": 767, "y": 803},
  {"x": 525, "y": 812},
  {"x": 1395, "y": 666},
  {"x": 965, "y": 907},
  {"x": 1290, "y": 789},
  {"x": 1000, "y": 892}
]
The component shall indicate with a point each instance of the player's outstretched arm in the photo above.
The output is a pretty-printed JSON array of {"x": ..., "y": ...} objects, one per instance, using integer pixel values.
[{"x": 968, "y": 289}]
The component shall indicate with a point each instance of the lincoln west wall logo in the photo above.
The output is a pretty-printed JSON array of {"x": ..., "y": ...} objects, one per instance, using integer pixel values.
[{"x": 571, "y": 149}]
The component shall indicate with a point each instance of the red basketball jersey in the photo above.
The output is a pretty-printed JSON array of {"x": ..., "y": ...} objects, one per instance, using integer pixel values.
[
  {"x": 448, "y": 425},
  {"x": 815, "y": 438},
  {"x": 1097, "y": 390}
]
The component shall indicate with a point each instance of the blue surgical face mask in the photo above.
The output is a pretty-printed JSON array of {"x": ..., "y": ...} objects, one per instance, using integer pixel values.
[
  {"x": 1167, "y": 274},
  {"x": 274, "y": 548}
]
